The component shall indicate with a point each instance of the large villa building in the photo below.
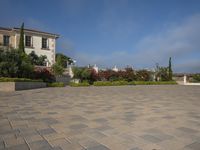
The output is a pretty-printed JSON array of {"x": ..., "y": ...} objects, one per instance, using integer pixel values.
[{"x": 42, "y": 43}]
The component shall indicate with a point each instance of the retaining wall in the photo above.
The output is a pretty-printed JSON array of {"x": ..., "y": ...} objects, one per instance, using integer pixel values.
[{"x": 16, "y": 86}]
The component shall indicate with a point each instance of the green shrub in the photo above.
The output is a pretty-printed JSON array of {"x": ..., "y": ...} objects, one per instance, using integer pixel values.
[
  {"x": 63, "y": 60},
  {"x": 15, "y": 63},
  {"x": 196, "y": 78},
  {"x": 114, "y": 83},
  {"x": 56, "y": 84},
  {"x": 118, "y": 83},
  {"x": 154, "y": 82},
  {"x": 37, "y": 60},
  {"x": 143, "y": 75},
  {"x": 102, "y": 83},
  {"x": 82, "y": 73},
  {"x": 4, "y": 79},
  {"x": 57, "y": 69},
  {"x": 79, "y": 84},
  {"x": 131, "y": 83}
]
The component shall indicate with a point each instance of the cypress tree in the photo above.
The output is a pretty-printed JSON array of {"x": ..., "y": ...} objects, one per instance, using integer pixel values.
[
  {"x": 170, "y": 69},
  {"x": 21, "y": 40}
]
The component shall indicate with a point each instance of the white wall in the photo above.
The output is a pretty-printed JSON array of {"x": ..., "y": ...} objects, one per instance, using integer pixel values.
[{"x": 37, "y": 48}]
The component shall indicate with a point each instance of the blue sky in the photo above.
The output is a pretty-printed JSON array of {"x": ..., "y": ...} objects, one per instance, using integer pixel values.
[{"x": 138, "y": 33}]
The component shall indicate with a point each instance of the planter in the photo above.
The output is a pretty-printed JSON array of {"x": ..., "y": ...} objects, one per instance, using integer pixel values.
[{"x": 16, "y": 86}]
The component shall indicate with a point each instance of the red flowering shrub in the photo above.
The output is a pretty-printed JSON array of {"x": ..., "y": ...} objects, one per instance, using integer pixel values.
[
  {"x": 43, "y": 73},
  {"x": 108, "y": 75},
  {"x": 129, "y": 74},
  {"x": 94, "y": 76}
]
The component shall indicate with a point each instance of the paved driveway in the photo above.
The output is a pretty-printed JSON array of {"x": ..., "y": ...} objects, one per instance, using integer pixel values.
[{"x": 101, "y": 118}]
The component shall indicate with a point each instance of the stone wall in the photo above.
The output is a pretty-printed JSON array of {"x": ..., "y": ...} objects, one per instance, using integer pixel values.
[
  {"x": 16, "y": 86},
  {"x": 1, "y": 39},
  {"x": 7, "y": 86}
]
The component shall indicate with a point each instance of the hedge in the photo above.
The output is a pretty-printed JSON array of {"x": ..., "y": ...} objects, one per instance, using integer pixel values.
[
  {"x": 79, "y": 84},
  {"x": 120, "y": 83},
  {"x": 155, "y": 82},
  {"x": 114, "y": 83},
  {"x": 5, "y": 79},
  {"x": 56, "y": 84}
]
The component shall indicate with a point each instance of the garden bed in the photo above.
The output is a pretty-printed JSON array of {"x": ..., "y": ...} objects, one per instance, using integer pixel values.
[{"x": 122, "y": 83}]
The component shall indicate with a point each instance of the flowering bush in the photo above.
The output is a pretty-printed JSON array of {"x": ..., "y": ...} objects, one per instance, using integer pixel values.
[
  {"x": 43, "y": 73},
  {"x": 94, "y": 76},
  {"x": 109, "y": 75},
  {"x": 128, "y": 75}
]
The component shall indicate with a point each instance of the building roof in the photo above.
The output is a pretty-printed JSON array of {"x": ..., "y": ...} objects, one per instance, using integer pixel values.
[
  {"x": 30, "y": 30},
  {"x": 2, "y": 28}
]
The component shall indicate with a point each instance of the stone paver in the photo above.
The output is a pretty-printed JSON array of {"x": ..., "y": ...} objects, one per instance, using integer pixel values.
[{"x": 101, "y": 118}]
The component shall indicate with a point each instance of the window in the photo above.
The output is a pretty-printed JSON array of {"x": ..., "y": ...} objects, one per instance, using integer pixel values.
[
  {"x": 44, "y": 43},
  {"x": 6, "y": 40},
  {"x": 28, "y": 41}
]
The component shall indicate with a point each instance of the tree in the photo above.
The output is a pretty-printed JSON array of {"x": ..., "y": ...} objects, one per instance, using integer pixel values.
[
  {"x": 9, "y": 63},
  {"x": 15, "y": 64},
  {"x": 57, "y": 69},
  {"x": 170, "y": 69},
  {"x": 196, "y": 77},
  {"x": 77, "y": 72},
  {"x": 63, "y": 60},
  {"x": 37, "y": 60},
  {"x": 82, "y": 73},
  {"x": 25, "y": 67},
  {"x": 21, "y": 40},
  {"x": 86, "y": 74},
  {"x": 33, "y": 57},
  {"x": 164, "y": 75},
  {"x": 143, "y": 75}
]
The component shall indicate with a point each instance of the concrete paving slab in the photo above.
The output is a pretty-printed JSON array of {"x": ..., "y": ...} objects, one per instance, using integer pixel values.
[{"x": 101, "y": 118}]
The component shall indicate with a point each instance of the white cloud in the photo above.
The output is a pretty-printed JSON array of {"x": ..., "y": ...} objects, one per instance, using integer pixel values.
[{"x": 179, "y": 41}]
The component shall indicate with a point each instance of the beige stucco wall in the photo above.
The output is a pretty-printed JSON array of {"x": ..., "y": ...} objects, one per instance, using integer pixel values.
[
  {"x": 37, "y": 48},
  {"x": 12, "y": 41},
  {"x": 12, "y": 37},
  {"x": 1, "y": 39},
  {"x": 7, "y": 86},
  {"x": 37, "y": 44}
]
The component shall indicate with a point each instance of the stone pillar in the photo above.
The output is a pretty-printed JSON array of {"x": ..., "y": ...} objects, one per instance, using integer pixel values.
[
  {"x": 185, "y": 79},
  {"x": 47, "y": 64},
  {"x": 71, "y": 74}
]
